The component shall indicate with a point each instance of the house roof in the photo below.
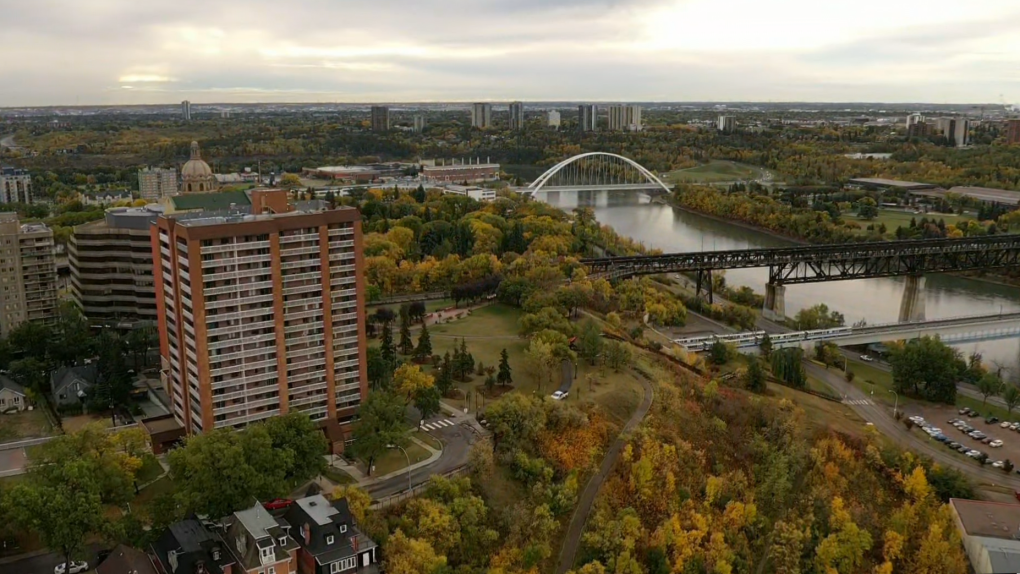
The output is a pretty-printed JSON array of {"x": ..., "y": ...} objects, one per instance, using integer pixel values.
[
  {"x": 65, "y": 376},
  {"x": 316, "y": 521},
  {"x": 210, "y": 201},
  {"x": 126, "y": 560},
  {"x": 192, "y": 544},
  {"x": 251, "y": 530},
  {"x": 6, "y": 383}
]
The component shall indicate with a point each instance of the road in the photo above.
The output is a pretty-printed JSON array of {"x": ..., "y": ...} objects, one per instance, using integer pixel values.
[
  {"x": 44, "y": 563},
  {"x": 584, "y": 504}
]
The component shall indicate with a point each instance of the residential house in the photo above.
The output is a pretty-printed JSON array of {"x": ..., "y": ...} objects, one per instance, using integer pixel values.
[
  {"x": 330, "y": 542},
  {"x": 186, "y": 547},
  {"x": 70, "y": 385},
  {"x": 12, "y": 396},
  {"x": 126, "y": 560},
  {"x": 260, "y": 543}
]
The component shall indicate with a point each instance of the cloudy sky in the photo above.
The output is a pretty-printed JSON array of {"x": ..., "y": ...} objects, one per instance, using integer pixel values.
[{"x": 159, "y": 51}]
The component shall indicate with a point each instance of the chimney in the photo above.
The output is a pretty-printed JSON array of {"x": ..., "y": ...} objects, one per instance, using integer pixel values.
[{"x": 306, "y": 532}]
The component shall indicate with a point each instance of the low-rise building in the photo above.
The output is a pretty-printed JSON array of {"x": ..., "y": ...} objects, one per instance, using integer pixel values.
[
  {"x": 72, "y": 385},
  {"x": 104, "y": 198},
  {"x": 186, "y": 547},
  {"x": 460, "y": 172},
  {"x": 989, "y": 532},
  {"x": 330, "y": 542},
  {"x": 476, "y": 193},
  {"x": 12, "y": 396},
  {"x": 126, "y": 560},
  {"x": 260, "y": 543}
]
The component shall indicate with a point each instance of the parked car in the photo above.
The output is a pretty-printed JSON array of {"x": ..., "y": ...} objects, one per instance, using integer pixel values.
[
  {"x": 953, "y": 444},
  {"x": 278, "y": 504},
  {"x": 987, "y": 440},
  {"x": 1005, "y": 424},
  {"x": 560, "y": 395},
  {"x": 998, "y": 464},
  {"x": 973, "y": 453},
  {"x": 941, "y": 437},
  {"x": 964, "y": 411},
  {"x": 991, "y": 420},
  {"x": 995, "y": 443},
  {"x": 76, "y": 568},
  {"x": 867, "y": 358},
  {"x": 963, "y": 448},
  {"x": 1014, "y": 426},
  {"x": 972, "y": 413},
  {"x": 916, "y": 419}
]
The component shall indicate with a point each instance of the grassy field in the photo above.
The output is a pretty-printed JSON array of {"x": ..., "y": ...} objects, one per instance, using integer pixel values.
[
  {"x": 822, "y": 413},
  {"x": 893, "y": 218},
  {"x": 24, "y": 425},
  {"x": 78, "y": 422},
  {"x": 395, "y": 460},
  {"x": 338, "y": 476},
  {"x": 715, "y": 171}
]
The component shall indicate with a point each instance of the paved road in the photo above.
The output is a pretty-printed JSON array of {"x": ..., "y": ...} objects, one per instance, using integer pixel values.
[
  {"x": 43, "y": 563},
  {"x": 584, "y": 504}
]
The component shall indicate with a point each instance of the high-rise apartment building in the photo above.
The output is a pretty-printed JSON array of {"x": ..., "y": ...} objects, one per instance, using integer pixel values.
[
  {"x": 481, "y": 116},
  {"x": 15, "y": 185},
  {"x": 111, "y": 266},
  {"x": 727, "y": 124},
  {"x": 186, "y": 110},
  {"x": 624, "y": 117},
  {"x": 28, "y": 273},
  {"x": 419, "y": 123},
  {"x": 261, "y": 315},
  {"x": 554, "y": 119},
  {"x": 587, "y": 117},
  {"x": 961, "y": 132},
  {"x": 380, "y": 118},
  {"x": 516, "y": 116},
  {"x": 1013, "y": 132},
  {"x": 914, "y": 118},
  {"x": 155, "y": 183}
]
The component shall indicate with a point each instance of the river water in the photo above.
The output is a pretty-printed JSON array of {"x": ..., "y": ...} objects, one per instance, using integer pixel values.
[{"x": 874, "y": 300}]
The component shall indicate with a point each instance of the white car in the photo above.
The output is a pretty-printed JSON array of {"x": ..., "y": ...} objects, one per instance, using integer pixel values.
[
  {"x": 1005, "y": 424},
  {"x": 995, "y": 443},
  {"x": 1014, "y": 426},
  {"x": 560, "y": 395},
  {"x": 867, "y": 358},
  {"x": 998, "y": 464},
  {"x": 973, "y": 453},
  {"x": 76, "y": 568},
  {"x": 917, "y": 419}
]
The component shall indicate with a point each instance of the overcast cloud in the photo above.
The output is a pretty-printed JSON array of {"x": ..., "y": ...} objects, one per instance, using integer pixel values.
[{"x": 56, "y": 52}]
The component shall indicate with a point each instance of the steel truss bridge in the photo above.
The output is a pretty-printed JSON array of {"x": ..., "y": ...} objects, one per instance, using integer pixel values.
[
  {"x": 950, "y": 330},
  {"x": 817, "y": 263},
  {"x": 596, "y": 171}
]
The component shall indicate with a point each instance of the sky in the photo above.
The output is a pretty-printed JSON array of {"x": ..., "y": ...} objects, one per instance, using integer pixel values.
[{"x": 65, "y": 52}]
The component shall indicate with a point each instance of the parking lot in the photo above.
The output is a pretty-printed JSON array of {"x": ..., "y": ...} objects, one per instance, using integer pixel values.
[{"x": 940, "y": 416}]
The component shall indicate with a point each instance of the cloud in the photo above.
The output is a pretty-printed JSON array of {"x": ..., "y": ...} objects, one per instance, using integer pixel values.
[{"x": 113, "y": 51}]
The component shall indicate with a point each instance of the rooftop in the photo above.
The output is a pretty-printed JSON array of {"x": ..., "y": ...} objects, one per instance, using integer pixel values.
[
  {"x": 991, "y": 519},
  {"x": 257, "y": 520},
  {"x": 318, "y": 509},
  {"x": 208, "y": 201},
  {"x": 891, "y": 183},
  {"x": 345, "y": 169}
]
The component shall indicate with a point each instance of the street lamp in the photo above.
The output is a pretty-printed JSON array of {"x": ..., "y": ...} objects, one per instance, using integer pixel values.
[
  {"x": 896, "y": 404},
  {"x": 408, "y": 463}
]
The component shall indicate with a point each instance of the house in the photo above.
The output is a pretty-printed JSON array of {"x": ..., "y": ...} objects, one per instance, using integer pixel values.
[
  {"x": 70, "y": 385},
  {"x": 330, "y": 542},
  {"x": 260, "y": 543},
  {"x": 126, "y": 560},
  {"x": 12, "y": 396},
  {"x": 186, "y": 547}
]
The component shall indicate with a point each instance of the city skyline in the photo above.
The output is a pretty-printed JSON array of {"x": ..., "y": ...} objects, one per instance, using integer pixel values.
[{"x": 114, "y": 52}]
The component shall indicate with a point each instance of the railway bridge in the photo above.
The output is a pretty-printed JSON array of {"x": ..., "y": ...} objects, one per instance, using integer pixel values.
[{"x": 816, "y": 263}]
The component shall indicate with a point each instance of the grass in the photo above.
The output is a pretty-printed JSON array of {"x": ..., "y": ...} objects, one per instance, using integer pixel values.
[
  {"x": 143, "y": 501},
  {"x": 24, "y": 425},
  {"x": 78, "y": 422},
  {"x": 338, "y": 476},
  {"x": 822, "y": 413},
  {"x": 395, "y": 460},
  {"x": 428, "y": 439},
  {"x": 893, "y": 218},
  {"x": 715, "y": 171}
]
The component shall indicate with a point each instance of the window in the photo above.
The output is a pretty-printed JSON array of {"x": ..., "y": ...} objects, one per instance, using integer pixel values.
[
  {"x": 271, "y": 570},
  {"x": 283, "y": 541},
  {"x": 343, "y": 528},
  {"x": 329, "y": 539},
  {"x": 267, "y": 554}
]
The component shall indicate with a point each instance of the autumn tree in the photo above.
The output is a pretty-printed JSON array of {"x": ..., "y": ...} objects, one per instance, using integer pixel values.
[
  {"x": 617, "y": 354},
  {"x": 411, "y": 556},
  {"x": 1011, "y": 396},
  {"x": 409, "y": 381},
  {"x": 754, "y": 378}
]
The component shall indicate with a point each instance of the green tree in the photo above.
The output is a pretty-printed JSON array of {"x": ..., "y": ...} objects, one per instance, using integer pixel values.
[
  {"x": 515, "y": 421},
  {"x": 299, "y": 445},
  {"x": 444, "y": 382},
  {"x": 590, "y": 341},
  {"x": 754, "y": 379},
  {"x": 618, "y": 355},
  {"x": 464, "y": 362},
  {"x": 927, "y": 368},
  {"x": 379, "y": 371},
  {"x": 424, "y": 349},
  {"x": 766, "y": 346},
  {"x": 989, "y": 385},
  {"x": 389, "y": 352},
  {"x": 406, "y": 344},
  {"x": 719, "y": 352},
  {"x": 382, "y": 424},
  {"x": 818, "y": 317},
  {"x": 427, "y": 402},
  {"x": 867, "y": 208},
  {"x": 504, "y": 377},
  {"x": 1011, "y": 396}
]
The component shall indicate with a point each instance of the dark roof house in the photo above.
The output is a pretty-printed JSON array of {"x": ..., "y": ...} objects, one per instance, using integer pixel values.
[
  {"x": 186, "y": 547},
  {"x": 126, "y": 560},
  {"x": 70, "y": 385},
  {"x": 330, "y": 542}
]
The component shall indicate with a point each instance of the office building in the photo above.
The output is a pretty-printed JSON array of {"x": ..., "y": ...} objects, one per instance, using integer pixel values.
[
  {"x": 517, "y": 116},
  {"x": 481, "y": 116},
  {"x": 111, "y": 267},
  {"x": 624, "y": 117},
  {"x": 460, "y": 172},
  {"x": 945, "y": 127},
  {"x": 419, "y": 123},
  {"x": 914, "y": 118},
  {"x": 15, "y": 185},
  {"x": 380, "y": 118},
  {"x": 476, "y": 193},
  {"x": 261, "y": 314},
  {"x": 553, "y": 119},
  {"x": 1013, "y": 132},
  {"x": 727, "y": 124},
  {"x": 186, "y": 110},
  {"x": 155, "y": 183},
  {"x": 587, "y": 118},
  {"x": 961, "y": 132},
  {"x": 990, "y": 533},
  {"x": 28, "y": 273}
]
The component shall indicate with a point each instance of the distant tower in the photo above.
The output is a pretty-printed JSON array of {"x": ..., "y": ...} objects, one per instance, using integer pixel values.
[
  {"x": 186, "y": 110},
  {"x": 380, "y": 118},
  {"x": 623, "y": 117},
  {"x": 554, "y": 119},
  {"x": 517, "y": 116},
  {"x": 587, "y": 117},
  {"x": 727, "y": 124},
  {"x": 419, "y": 123},
  {"x": 481, "y": 116}
]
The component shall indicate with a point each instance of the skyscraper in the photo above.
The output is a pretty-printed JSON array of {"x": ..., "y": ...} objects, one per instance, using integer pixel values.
[
  {"x": 15, "y": 185},
  {"x": 156, "y": 183},
  {"x": 727, "y": 123},
  {"x": 28, "y": 273},
  {"x": 1013, "y": 132},
  {"x": 587, "y": 117},
  {"x": 380, "y": 118},
  {"x": 554, "y": 119},
  {"x": 260, "y": 315},
  {"x": 186, "y": 110},
  {"x": 961, "y": 133},
  {"x": 624, "y": 117},
  {"x": 419, "y": 123},
  {"x": 481, "y": 116},
  {"x": 517, "y": 116}
]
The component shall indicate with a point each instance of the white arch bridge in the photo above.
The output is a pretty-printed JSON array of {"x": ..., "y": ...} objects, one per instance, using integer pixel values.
[{"x": 596, "y": 171}]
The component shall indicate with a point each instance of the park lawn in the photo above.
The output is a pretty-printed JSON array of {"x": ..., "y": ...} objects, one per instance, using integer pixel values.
[
  {"x": 142, "y": 504},
  {"x": 394, "y": 459},
  {"x": 338, "y": 476},
  {"x": 715, "y": 171},
  {"x": 26, "y": 424},
  {"x": 893, "y": 218},
  {"x": 428, "y": 439}
]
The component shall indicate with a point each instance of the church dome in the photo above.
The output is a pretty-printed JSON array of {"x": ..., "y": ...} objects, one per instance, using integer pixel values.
[{"x": 196, "y": 167}]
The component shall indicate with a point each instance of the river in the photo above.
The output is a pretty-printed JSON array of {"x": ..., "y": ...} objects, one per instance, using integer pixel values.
[{"x": 874, "y": 300}]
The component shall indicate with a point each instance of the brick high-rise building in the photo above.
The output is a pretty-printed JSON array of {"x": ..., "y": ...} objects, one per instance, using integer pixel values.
[
  {"x": 28, "y": 273},
  {"x": 1013, "y": 132},
  {"x": 261, "y": 315},
  {"x": 380, "y": 116}
]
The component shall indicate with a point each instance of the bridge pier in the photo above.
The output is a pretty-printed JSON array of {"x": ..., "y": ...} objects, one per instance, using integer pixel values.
[
  {"x": 912, "y": 304},
  {"x": 775, "y": 302},
  {"x": 704, "y": 277}
]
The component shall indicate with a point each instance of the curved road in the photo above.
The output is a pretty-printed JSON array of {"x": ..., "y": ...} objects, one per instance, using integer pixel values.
[{"x": 584, "y": 505}]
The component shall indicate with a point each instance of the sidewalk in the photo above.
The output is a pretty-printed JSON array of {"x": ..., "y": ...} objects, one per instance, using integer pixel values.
[{"x": 363, "y": 480}]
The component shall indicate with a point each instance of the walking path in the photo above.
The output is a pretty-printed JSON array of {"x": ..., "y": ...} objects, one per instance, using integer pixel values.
[
  {"x": 584, "y": 505},
  {"x": 363, "y": 480}
]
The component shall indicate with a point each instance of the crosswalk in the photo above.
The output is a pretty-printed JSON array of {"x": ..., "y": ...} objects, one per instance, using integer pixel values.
[
  {"x": 861, "y": 402},
  {"x": 436, "y": 425}
]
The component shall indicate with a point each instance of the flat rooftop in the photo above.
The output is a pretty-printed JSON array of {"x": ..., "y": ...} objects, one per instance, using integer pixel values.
[
  {"x": 988, "y": 519},
  {"x": 879, "y": 181},
  {"x": 161, "y": 424},
  {"x": 345, "y": 169}
]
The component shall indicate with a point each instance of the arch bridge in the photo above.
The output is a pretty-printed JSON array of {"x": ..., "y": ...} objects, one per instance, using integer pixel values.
[{"x": 596, "y": 171}]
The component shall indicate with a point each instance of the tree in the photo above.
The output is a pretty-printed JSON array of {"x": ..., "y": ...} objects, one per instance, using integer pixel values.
[
  {"x": 389, "y": 352},
  {"x": 1011, "y": 396},
  {"x": 358, "y": 501},
  {"x": 867, "y": 208},
  {"x": 409, "y": 380},
  {"x": 445, "y": 380},
  {"x": 382, "y": 425},
  {"x": 515, "y": 420},
  {"x": 290, "y": 180},
  {"x": 411, "y": 556},
  {"x": 754, "y": 379},
  {"x": 424, "y": 349},
  {"x": 989, "y": 385},
  {"x": 379, "y": 371},
  {"x": 766, "y": 346},
  {"x": 927, "y": 368},
  {"x": 299, "y": 444},
  {"x": 590, "y": 341},
  {"x": 427, "y": 402},
  {"x": 464, "y": 363},
  {"x": 539, "y": 361},
  {"x": 490, "y": 383},
  {"x": 416, "y": 310},
  {"x": 618, "y": 355},
  {"x": 719, "y": 352},
  {"x": 406, "y": 344},
  {"x": 504, "y": 377},
  {"x": 818, "y": 317}
]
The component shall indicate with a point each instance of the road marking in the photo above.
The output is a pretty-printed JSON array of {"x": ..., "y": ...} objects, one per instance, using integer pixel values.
[
  {"x": 427, "y": 426},
  {"x": 857, "y": 402},
  {"x": 445, "y": 423}
]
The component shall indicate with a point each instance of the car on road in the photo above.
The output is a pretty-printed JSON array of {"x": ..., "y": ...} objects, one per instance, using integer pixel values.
[
  {"x": 995, "y": 443},
  {"x": 560, "y": 395},
  {"x": 76, "y": 568},
  {"x": 916, "y": 419},
  {"x": 998, "y": 464},
  {"x": 1014, "y": 426},
  {"x": 278, "y": 504},
  {"x": 991, "y": 420},
  {"x": 964, "y": 411},
  {"x": 1005, "y": 424},
  {"x": 867, "y": 358}
]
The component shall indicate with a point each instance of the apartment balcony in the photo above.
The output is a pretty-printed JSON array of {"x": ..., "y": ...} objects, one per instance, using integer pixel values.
[
  {"x": 240, "y": 246},
  {"x": 346, "y": 364},
  {"x": 347, "y": 387},
  {"x": 302, "y": 237},
  {"x": 310, "y": 276},
  {"x": 310, "y": 288},
  {"x": 239, "y": 287},
  {"x": 343, "y": 281},
  {"x": 246, "y": 260},
  {"x": 344, "y": 244},
  {"x": 341, "y": 231},
  {"x": 235, "y": 421}
]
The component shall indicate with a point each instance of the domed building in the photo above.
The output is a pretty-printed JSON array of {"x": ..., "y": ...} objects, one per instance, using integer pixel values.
[{"x": 196, "y": 175}]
